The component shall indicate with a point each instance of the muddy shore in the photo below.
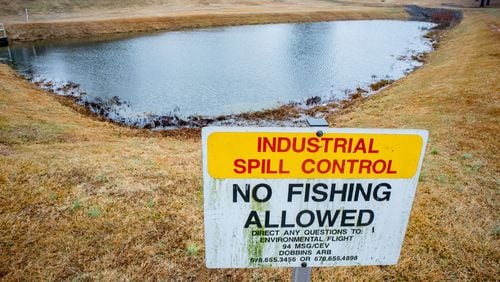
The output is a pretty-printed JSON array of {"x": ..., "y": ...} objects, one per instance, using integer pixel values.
[{"x": 288, "y": 114}]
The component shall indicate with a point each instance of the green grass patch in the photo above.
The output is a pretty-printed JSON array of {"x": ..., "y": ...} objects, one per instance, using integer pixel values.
[
  {"x": 466, "y": 156},
  {"x": 151, "y": 203},
  {"x": 77, "y": 204},
  {"x": 442, "y": 178},
  {"x": 192, "y": 249},
  {"x": 94, "y": 211}
]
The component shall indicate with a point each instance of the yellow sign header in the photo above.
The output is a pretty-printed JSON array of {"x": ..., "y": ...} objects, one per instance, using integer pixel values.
[{"x": 281, "y": 154}]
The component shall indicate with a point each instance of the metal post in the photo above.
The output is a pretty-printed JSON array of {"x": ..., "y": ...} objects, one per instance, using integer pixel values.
[{"x": 303, "y": 274}]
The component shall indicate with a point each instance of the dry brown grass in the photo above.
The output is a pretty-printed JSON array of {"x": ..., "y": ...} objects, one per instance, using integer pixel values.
[
  {"x": 454, "y": 228},
  {"x": 76, "y": 28},
  {"x": 89, "y": 18},
  {"x": 379, "y": 84},
  {"x": 60, "y": 9},
  {"x": 88, "y": 200}
]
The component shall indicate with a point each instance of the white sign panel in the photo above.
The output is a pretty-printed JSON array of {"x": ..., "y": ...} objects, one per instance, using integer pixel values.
[{"x": 281, "y": 197}]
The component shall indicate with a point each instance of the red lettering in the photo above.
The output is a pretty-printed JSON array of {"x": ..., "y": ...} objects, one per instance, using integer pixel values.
[
  {"x": 239, "y": 166},
  {"x": 389, "y": 167},
  {"x": 360, "y": 146},
  {"x": 340, "y": 143},
  {"x": 295, "y": 146},
  {"x": 269, "y": 171},
  {"x": 268, "y": 144},
  {"x": 365, "y": 164},
  {"x": 349, "y": 146},
  {"x": 381, "y": 170},
  {"x": 304, "y": 169},
  {"x": 336, "y": 166},
  {"x": 323, "y": 169},
  {"x": 370, "y": 147},
  {"x": 283, "y": 144},
  {"x": 327, "y": 143},
  {"x": 352, "y": 162},
  {"x": 312, "y": 145},
  {"x": 252, "y": 164},
  {"x": 282, "y": 169}
]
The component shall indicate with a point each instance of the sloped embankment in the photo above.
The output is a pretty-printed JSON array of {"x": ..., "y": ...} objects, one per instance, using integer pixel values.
[{"x": 82, "y": 199}]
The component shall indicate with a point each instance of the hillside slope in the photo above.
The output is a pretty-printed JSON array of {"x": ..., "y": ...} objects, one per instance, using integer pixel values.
[{"x": 84, "y": 199}]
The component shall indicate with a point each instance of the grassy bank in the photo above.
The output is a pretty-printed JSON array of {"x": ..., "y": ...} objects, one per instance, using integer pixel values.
[
  {"x": 85, "y": 199},
  {"x": 60, "y": 19},
  {"x": 191, "y": 19}
]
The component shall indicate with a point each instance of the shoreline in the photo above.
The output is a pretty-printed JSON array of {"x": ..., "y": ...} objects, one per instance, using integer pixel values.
[
  {"x": 194, "y": 19},
  {"x": 285, "y": 114},
  {"x": 26, "y": 32}
]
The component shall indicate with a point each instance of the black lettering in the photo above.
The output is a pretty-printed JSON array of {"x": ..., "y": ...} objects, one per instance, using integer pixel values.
[
  {"x": 299, "y": 218},
  {"x": 255, "y": 194},
  {"x": 385, "y": 195},
  {"x": 244, "y": 195},
  {"x": 317, "y": 191},
  {"x": 291, "y": 190},
  {"x": 360, "y": 190},
  {"x": 327, "y": 217},
  {"x": 342, "y": 192},
  {"x": 283, "y": 221},
  {"x": 345, "y": 218},
  {"x": 253, "y": 219},
  {"x": 267, "y": 223},
  {"x": 370, "y": 214}
]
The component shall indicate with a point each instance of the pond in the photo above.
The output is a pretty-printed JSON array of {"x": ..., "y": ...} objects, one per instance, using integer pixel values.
[{"x": 222, "y": 71}]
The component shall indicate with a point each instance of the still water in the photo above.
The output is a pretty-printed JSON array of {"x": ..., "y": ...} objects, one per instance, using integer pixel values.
[{"x": 220, "y": 71}]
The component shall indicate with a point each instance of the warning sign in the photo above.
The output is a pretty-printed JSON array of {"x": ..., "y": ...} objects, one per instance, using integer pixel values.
[{"x": 279, "y": 197}]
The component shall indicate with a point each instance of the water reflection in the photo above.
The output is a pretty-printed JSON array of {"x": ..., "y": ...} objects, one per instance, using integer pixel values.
[{"x": 228, "y": 70}]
